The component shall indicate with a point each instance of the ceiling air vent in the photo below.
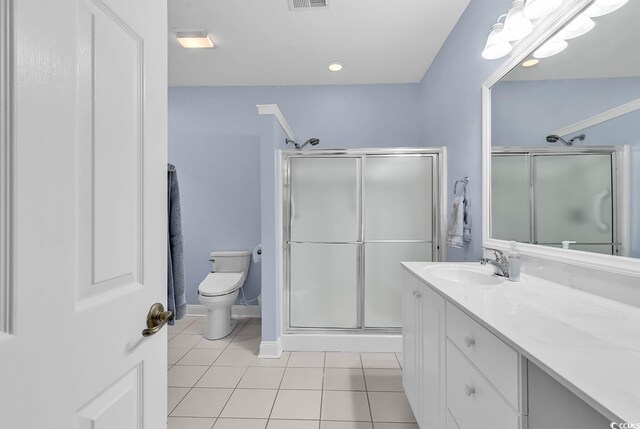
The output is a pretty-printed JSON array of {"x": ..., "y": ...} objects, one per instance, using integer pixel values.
[{"x": 307, "y": 4}]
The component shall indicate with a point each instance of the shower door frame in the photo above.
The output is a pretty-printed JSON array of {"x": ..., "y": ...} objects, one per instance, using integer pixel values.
[
  {"x": 438, "y": 249},
  {"x": 619, "y": 183}
]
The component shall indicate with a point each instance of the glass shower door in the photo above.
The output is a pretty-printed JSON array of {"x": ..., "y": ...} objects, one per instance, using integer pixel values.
[
  {"x": 511, "y": 197},
  {"x": 398, "y": 226},
  {"x": 325, "y": 242},
  {"x": 573, "y": 200}
]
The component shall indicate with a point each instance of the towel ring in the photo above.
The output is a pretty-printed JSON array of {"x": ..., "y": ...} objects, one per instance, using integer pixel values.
[{"x": 464, "y": 181}]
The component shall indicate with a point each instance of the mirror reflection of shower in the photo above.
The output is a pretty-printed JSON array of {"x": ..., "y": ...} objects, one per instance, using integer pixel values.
[
  {"x": 554, "y": 139},
  {"x": 312, "y": 141}
]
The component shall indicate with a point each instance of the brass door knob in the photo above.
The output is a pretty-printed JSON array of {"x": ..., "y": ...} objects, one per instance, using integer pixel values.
[{"x": 156, "y": 319}]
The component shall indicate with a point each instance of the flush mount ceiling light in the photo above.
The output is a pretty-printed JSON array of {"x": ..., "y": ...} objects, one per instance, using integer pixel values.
[
  {"x": 530, "y": 62},
  {"x": 551, "y": 47},
  {"x": 335, "y": 66},
  {"x": 516, "y": 26},
  {"x": 580, "y": 25},
  {"x": 496, "y": 46},
  {"x": 603, "y": 7},
  {"x": 194, "y": 39},
  {"x": 536, "y": 9}
]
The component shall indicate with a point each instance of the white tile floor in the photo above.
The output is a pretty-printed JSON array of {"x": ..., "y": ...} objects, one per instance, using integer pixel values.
[{"x": 223, "y": 385}]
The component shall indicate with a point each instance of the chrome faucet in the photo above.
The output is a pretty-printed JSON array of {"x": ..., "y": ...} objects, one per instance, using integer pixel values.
[{"x": 501, "y": 263}]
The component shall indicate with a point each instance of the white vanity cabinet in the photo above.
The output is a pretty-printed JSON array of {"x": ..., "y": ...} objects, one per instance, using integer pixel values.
[
  {"x": 424, "y": 342},
  {"x": 457, "y": 374}
]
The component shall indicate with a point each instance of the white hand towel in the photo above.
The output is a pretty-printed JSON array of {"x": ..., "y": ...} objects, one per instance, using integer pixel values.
[{"x": 456, "y": 223}]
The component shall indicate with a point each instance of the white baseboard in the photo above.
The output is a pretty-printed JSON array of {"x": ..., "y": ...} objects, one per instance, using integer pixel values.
[
  {"x": 341, "y": 343},
  {"x": 246, "y": 311},
  {"x": 270, "y": 349},
  {"x": 237, "y": 311}
]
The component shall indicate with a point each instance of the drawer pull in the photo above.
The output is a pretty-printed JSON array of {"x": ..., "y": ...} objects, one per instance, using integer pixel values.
[
  {"x": 469, "y": 342},
  {"x": 418, "y": 295},
  {"x": 469, "y": 390}
]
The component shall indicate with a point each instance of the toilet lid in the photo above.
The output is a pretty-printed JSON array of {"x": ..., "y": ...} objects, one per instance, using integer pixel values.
[{"x": 220, "y": 284}]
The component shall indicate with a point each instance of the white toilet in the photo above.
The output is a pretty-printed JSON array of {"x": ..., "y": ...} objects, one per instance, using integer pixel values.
[{"x": 219, "y": 290}]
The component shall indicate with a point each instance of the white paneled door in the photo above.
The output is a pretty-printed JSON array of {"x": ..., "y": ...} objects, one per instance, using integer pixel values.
[{"x": 86, "y": 226}]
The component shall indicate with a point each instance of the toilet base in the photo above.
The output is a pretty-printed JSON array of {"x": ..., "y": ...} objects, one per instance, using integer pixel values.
[{"x": 219, "y": 323}]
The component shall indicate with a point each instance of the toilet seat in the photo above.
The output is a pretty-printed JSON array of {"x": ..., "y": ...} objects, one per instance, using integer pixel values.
[{"x": 219, "y": 284}]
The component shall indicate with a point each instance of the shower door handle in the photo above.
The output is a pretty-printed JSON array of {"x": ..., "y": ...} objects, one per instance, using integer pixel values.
[
  {"x": 156, "y": 319},
  {"x": 597, "y": 209}
]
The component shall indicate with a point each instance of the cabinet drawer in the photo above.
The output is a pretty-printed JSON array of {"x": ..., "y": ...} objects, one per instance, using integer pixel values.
[
  {"x": 495, "y": 359},
  {"x": 472, "y": 401}
]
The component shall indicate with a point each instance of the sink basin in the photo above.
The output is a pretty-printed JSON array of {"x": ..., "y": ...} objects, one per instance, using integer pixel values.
[{"x": 467, "y": 274}]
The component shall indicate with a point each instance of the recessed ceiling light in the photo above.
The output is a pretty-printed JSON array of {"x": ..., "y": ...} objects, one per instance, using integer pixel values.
[
  {"x": 531, "y": 62},
  {"x": 335, "y": 66},
  {"x": 194, "y": 39}
]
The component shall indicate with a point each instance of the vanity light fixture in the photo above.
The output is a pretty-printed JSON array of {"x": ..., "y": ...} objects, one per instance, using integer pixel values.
[
  {"x": 496, "y": 46},
  {"x": 516, "y": 26},
  {"x": 530, "y": 62},
  {"x": 536, "y": 9},
  {"x": 194, "y": 39},
  {"x": 551, "y": 47},
  {"x": 580, "y": 25},
  {"x": 335, "y": 66},
  {"x": 522, "y": 18},
  {"x": 603, "y": 7}
]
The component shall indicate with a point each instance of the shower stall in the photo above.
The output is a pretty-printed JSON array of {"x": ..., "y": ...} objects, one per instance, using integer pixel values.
[{"x": 350, "y": 217}]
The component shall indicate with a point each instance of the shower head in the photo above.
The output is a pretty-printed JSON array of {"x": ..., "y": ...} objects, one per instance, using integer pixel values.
[
  {"x": 554, "y": 139},
  {"x": 312, "y": 141}
]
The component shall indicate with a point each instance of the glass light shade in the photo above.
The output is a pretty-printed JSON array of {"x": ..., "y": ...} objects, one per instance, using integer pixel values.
[
  {"x": 516, "y": 26},
  {"x": 536, "y": 9},
  {"x": 603, "y": 7},
  {"x": 553, "y": 46},
  {"x": 580, "y": 25},
  {"x": 496, "y": 46}
]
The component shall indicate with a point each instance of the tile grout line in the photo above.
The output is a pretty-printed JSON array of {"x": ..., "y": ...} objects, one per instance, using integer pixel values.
[
  {"x": 194, "y": 385},
  {"x": 211, "y": 366},
  {"x": 366, "y": 389},
  {"x": 324, "y": 372},
  {"x": 277, "y": 394}
]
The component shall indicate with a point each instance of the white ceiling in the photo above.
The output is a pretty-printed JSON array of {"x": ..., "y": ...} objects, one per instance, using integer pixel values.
[
  {"x": 262, "y": 42},
  {"x": 610, "y": 49}
]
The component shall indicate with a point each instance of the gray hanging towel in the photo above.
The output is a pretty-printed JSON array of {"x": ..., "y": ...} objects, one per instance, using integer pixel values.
[
  {"x": 176, "y": 300},
  {"x": 466, "y": 235}
]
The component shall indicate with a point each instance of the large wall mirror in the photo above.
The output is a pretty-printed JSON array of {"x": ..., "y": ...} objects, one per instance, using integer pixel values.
[{"x": 563, "y": 138}]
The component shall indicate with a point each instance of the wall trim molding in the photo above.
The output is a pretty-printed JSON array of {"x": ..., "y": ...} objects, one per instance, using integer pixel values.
[
  {"x": 270, "y": 349},
  {"x": 273, "y": 109},
  {"x": 342, "y": 343},
  {"x": 621, "y": 110},
  {"x": 238, "y": 311},
  {"x": 7, "y": 168}
]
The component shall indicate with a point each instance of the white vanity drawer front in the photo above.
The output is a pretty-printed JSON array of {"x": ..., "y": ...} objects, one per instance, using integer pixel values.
[
  {"x": 472, "y": 401},
  {"x": 495, "y": 359}
]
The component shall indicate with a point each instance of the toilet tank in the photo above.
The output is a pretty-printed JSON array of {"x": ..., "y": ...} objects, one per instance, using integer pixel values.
[{"x": 231, "y": 261}]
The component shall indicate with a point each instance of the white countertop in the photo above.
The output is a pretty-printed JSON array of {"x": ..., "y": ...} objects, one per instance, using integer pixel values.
[{"x": 589, "y": 344}]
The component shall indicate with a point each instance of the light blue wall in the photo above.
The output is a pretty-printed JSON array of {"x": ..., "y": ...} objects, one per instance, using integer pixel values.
[
  {"x": 272, "y": 139},
  {"x": 525, "y": 112},
  {"x": 220, "y": 199},
  {"x": 346, "y": 116},
  {"x": 451, "y": 111}
]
